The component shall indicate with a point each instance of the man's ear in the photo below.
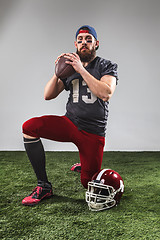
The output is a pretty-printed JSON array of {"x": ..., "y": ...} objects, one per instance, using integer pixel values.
[
  {"x": 97, "y": 44},
  {"x": 75, "y": 44}
]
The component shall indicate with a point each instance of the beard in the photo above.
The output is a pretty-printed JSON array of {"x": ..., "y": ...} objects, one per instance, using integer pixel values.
[{"x": 86, "y": 56}]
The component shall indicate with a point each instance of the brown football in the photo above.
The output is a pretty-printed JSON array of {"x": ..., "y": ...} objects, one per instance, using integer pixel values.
[{"x": 62, "y": 69}]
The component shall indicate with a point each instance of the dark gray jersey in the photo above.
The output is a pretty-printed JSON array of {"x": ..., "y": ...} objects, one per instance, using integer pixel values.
[{"x": 84, "y": 109}]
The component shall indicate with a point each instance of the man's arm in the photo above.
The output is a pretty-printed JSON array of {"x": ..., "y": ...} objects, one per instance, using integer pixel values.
[
  {"x": 53, "y": 88},
  {"x": 103, "y": 89}
]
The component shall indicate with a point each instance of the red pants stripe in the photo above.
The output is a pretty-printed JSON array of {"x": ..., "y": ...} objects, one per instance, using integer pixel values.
[{"x": 60, "y": 128}]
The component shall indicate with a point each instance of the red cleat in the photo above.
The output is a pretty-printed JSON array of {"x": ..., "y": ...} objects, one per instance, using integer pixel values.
[
  {"x": 37, "y": 195},
  {"x": 76, "y": 167}
]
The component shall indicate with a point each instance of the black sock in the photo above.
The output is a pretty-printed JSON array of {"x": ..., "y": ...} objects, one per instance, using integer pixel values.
[{"x": 36, "y": 155}]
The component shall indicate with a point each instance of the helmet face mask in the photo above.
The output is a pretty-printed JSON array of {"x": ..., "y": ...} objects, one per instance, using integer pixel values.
[{"x": 100, "y": 195}]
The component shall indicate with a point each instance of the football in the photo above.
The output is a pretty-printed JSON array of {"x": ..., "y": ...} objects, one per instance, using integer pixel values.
[{"x": 62, "y": 69}]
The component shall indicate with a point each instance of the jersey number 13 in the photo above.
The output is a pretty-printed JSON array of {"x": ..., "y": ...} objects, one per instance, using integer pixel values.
[{"x": 88, "y": 98}]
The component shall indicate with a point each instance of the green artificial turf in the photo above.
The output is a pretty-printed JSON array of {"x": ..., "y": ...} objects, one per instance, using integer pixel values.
[{"x": 66, "y": 214}]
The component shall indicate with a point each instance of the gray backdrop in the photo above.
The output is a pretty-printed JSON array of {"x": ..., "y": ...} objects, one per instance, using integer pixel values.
[{"x": 34, "y": 32}]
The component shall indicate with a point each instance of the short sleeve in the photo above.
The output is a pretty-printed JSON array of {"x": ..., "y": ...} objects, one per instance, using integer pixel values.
[{"x": 109, "y": 68}]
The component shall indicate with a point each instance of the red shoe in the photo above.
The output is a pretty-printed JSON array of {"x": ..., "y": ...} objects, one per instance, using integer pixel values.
[
  {"x": 37, "y": 195},
  {"x": 76, "y": 167}
]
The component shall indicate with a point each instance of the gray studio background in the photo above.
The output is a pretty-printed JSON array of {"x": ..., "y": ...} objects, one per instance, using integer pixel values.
[{"x": 34, "y": 32}]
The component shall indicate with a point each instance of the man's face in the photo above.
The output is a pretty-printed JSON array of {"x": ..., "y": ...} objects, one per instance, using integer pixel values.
[{"x": 86, "y": 46}]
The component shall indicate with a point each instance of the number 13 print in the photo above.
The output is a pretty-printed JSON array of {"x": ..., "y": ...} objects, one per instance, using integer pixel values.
[{"x": 85, "y": 98}]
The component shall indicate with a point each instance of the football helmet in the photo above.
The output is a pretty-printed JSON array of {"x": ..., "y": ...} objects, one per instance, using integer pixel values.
[{"x": 104, "y": 190}]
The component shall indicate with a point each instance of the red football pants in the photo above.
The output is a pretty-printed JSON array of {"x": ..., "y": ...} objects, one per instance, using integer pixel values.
[{"x": 60, "y": 128}]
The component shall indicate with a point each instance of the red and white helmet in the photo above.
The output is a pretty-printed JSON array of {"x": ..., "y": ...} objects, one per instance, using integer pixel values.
[{"x": 104, "y": 190}]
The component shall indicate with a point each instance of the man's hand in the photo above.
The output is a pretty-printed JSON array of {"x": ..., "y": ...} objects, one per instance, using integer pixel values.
[
  {"x": 75, "y": 62},
  {"x": 59, "y": 57}
]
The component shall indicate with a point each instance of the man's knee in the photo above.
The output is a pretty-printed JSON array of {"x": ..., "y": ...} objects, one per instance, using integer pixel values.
[
  {"x": 87, "y": 177},
  {"x": 29, "y": 128}
]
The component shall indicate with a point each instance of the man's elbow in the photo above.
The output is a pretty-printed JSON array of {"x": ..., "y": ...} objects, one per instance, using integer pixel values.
[
  {"x": 107, "y": 97},
  {"x": 47, "y": 97}
]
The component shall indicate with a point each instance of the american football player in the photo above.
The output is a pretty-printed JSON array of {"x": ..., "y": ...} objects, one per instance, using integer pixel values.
[{"x": 84, "y": 123}]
